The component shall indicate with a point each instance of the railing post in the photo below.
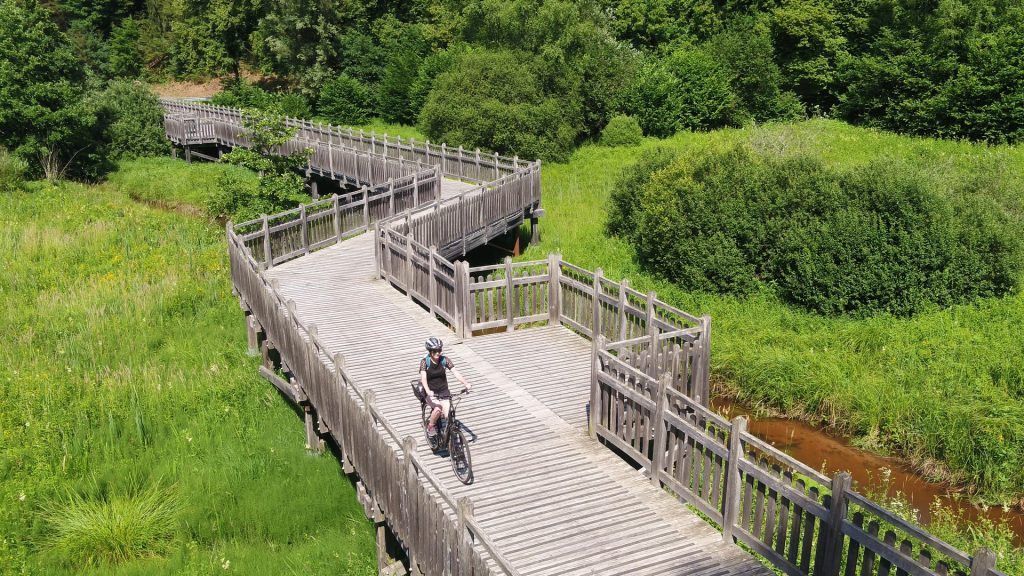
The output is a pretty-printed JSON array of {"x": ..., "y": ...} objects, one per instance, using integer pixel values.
[
  {"x": 336, "y": 207},
  {"x": 652, "y": 333},
  {"x": 305, "y": 229},
  {"x": 982, "y": 561},
  {"x": 595, "y": 388},
  {"x": 658, "y": 420},
  {"x": 412, "y": 488},
  {"x": 267, "y": 255},
  {"x": 432, "y": 292},
  {"x": 509, "y": 290},
  {"x": 376, "y": 248},
  {"x": 391, "y": 198},
  {"x": 623, "y": 301},
  {"x": 467, "y": 301},
  {"x": 416, "y": 189},
  {"x": 366, "y": 207},
  {"x": 836, "y": 515},
  {"x": 554, "y": 289},
  {"x": 731, "y": 500},
  {"x": 595, "y": 325},
  {"x": 705, "y": 353},
  {"x": 464, "y": 539},
  {"x": 409, "y": 267}
]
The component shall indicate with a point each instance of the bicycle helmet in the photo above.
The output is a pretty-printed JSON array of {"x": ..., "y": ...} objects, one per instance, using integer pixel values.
[{"x": 433, "y": 344}]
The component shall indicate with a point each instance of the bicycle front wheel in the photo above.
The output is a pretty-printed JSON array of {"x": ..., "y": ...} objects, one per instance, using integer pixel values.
[{"x": 458, "y": 450}]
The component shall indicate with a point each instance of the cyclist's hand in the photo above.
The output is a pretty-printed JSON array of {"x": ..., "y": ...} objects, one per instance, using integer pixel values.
[{"x": 465, "y": 390}]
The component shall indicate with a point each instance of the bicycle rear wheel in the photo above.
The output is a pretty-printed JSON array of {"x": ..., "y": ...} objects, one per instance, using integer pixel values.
[{"x": 458, "y": 450}]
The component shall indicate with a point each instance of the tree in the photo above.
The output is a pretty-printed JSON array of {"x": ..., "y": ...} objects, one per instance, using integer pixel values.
[
  {"x": 280, "y": 185},
  {"x": 42, "y": 117},
  {"x": 494, "y": 99}
]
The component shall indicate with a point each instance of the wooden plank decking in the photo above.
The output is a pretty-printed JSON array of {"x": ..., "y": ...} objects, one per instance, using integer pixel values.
[{"x": 552, "y": 499}]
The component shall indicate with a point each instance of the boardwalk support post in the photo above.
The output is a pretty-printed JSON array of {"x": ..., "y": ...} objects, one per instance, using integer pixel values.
[
  {"x": 412, "y": 488},
  {"x": 731, "y": 501},
  {"x": 253, "y": 332},
  {"x": 836, "y": 515},
  {"x": 410, "y": 268},
  {"x": 652, "y": 333},
  {"x": 431, "y": 291}
]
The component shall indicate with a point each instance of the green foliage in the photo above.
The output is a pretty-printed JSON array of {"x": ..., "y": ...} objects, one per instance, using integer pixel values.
[
  {"x": 132, "y": 121},
  {"x": 344, "y": 100},
  {"x": 746, "y": 52},
  {"x": 42, "y": 119},
  {"x": 280, "y": 186},
  {"x": 243, "y": 94},
  {"x": 622, "y": 131},
  {"x": 624, "y": 198},
  {"x": 125, "y": 369},
  {"x": 12, "y": 171},
  {"x": 655, "y": 23},
  {"x": 876, "y": 239},
  {"x": 406, "y": 50},
  {"x": 918, "y": 76},
  {"x": 112, "y": 531},
  {"x": 687, "y": 90},
  {"x": 123, "y": 56},
  {"x": 494, "y": 99}
]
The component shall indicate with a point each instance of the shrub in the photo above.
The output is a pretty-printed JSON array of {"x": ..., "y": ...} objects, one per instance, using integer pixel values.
[
  {"x": 688, "y": 90},
  {"x": 624, "y": 199},
  {"x": 12, "y": 172},
  {"x": 344, "y": 100},
  {"x": 622, "y": 131},
  {"x": 494, "y": 99},
  {"x": 242, "y": 94},
  {"x": 131, "y": 121},
  {"x": 871, "y": 240}
]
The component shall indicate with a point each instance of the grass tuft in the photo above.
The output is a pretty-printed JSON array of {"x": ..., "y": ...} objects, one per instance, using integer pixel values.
[{"x": 113, "y": 530}]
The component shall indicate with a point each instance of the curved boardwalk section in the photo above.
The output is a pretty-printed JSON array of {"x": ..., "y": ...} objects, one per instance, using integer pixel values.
[{"x": 552, "y": 500}]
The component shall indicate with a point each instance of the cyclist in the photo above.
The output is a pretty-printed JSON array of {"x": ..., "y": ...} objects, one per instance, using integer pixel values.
[{"x": 434, "y": 378}]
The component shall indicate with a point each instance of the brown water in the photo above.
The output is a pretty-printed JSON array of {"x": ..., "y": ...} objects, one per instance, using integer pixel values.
[{"x": 830, "y": 455}]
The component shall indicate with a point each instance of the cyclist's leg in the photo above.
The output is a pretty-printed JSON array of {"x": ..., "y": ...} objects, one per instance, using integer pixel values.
[{"x": 435, "y": 414}]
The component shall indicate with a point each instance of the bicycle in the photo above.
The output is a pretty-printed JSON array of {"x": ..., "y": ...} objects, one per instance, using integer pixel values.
[{"x": 449, "y": 434}]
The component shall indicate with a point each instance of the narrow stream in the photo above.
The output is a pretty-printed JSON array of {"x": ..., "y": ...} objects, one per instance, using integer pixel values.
[{"x": 823, "y": 452}]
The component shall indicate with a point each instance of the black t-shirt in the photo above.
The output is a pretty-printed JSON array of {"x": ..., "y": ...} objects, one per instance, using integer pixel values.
[{"x": 437, "y": 376}]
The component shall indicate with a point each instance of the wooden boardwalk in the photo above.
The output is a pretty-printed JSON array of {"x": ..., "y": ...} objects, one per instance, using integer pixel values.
[{"x": 553, "y": 500}]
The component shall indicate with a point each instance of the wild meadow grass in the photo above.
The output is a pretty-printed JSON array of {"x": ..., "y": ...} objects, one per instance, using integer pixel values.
[
  {"x": 943, "y": 389},
  {"x": 135, "y": 434}
]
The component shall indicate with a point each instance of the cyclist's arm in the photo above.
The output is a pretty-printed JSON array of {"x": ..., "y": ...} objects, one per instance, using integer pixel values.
[{"x": 458, "y": 376}]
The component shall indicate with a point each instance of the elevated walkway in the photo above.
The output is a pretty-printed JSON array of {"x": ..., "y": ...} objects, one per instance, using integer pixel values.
[{"x": 553, "y": 500}]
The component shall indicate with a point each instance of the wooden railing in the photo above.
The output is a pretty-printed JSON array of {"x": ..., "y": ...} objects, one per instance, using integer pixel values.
[
  {"x": 459, "y": 224},
  {"x": 333, "y": 160},
  {"x": 471, "y": 166},
  {"x": 439, "y": 532},
  {"x": 802, "y": 521},
  {"x": 276, "y": 239}
]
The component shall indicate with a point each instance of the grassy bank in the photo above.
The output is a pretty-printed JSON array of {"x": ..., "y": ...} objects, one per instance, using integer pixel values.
[
  {"x": 943, "y": 389},
  {"x": 133, "y": 425}
]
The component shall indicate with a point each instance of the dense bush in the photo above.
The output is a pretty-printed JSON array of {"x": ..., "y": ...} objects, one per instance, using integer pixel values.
[
  {"x": 131, "y": 120},
  {"x": 494, "y": 99},
  {"x": 687, "y": 90},
  {"x": 242, "y": 94},
  {"x": 625, "y": 196},
  {"x": 344, "y": 100},
  {"x": 622, "y": 131},
  {"x": 872, "y": 240}
]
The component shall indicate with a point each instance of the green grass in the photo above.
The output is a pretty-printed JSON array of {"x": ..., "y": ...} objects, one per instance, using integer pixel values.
[
  {"x": 942, "y": 389},
  {"x": 124, "y": 374}
]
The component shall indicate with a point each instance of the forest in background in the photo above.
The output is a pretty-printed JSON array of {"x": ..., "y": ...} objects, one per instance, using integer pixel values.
[{"x": 528, "y": 77}]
